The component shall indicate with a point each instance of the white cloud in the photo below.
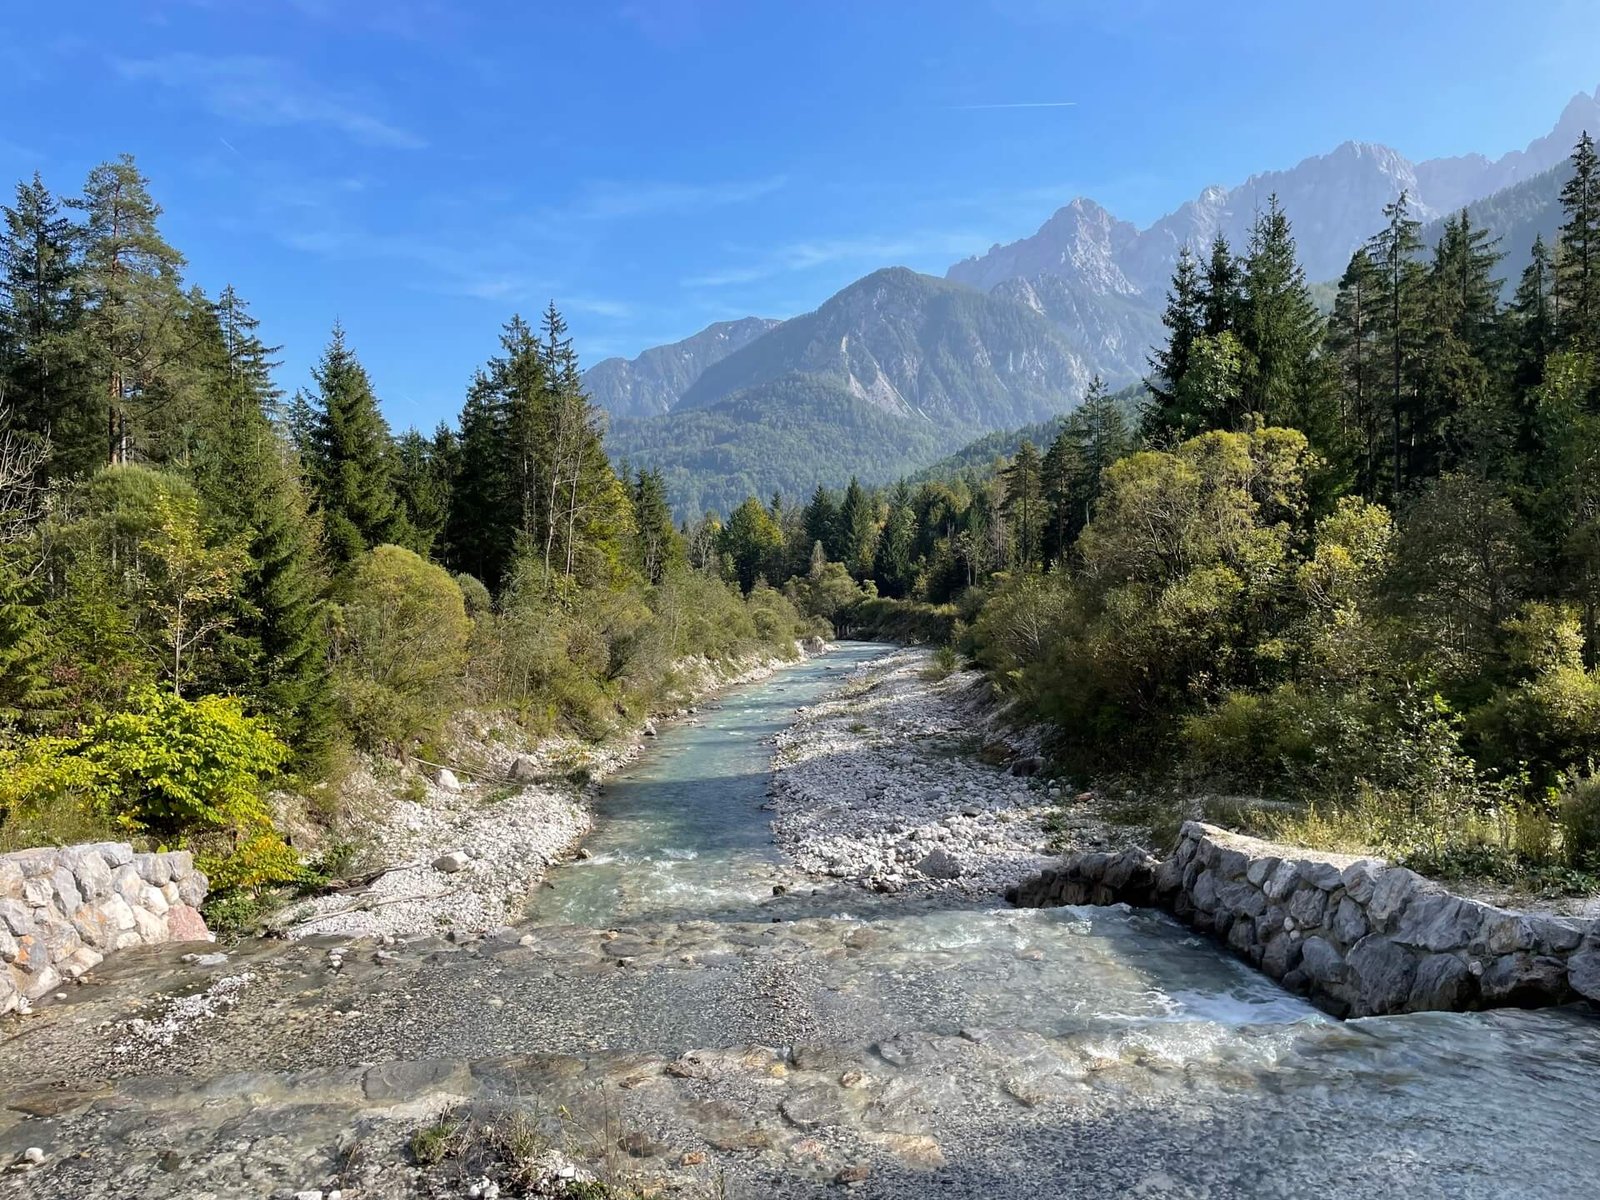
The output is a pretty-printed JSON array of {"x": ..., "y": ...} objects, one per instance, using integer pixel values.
[{"x": 257, "y": 90}]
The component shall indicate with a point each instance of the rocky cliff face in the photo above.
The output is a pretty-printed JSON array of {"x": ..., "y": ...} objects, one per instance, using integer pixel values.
[{"x": 654, "y": 382}]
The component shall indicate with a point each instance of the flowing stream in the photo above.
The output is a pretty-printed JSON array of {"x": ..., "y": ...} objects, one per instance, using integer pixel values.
[{"x": 732, "y": 1022}]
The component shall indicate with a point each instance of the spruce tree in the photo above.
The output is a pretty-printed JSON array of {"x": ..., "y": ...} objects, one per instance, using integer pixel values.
[
  {"x": 655, "y": 541},
  {"x": 1280, "y": 329},
  {"x": 350, "y": 460},
  {"x": 481, "y": 530},
  {"x": 1023, "y": 506},
  {"x": 894, "y": 561},
  {"x": 822, "y": 522},
  {"x": 1184, "y": 318},
  {"x": 1059, "y": 472},
  {"x": 1354, "y": 354},
  {"x": 43, "y": 380},
  {"x": 1221, "y": 295},
  {"x": 1579, "y": 282},
  {"x": 1402, "y": 279},
  {"x": 857, "y": 528}
]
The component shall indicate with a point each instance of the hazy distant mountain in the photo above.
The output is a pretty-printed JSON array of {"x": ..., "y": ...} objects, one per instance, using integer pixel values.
[
  {"x": 899, "y": 368},
  {"x": 1113, "y": 276},
  {"x": 905, "y": 365},
  {"x": 653, "y": 382},
  {"x": 1333, "y": 201}
]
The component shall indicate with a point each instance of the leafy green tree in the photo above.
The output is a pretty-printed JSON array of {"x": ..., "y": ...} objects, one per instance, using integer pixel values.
[
  {"x": 401, "y": 647},
  {"x": 753, "y": 541},
  {"x": 349, "y": 457}
]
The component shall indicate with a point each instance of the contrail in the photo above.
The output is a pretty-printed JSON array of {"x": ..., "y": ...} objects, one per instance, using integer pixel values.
[{"x": 1024, "y": 104}]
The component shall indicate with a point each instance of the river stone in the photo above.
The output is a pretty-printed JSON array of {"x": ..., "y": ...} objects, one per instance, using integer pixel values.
[
  {"x": 1524, "y": 979},
  {"x": 1241, "y": 899},
  {"x": 939, "y": 864},
  {"x": 1390, "y": 895},
  {"x": 185, "y": 924},
  {"x": 1349, "y": 922},
  {"x": 452, "y": 861},
  {"x": 1384, "y": 973},
  {"x": 1282, "y": 955},
  {"x": 1360, "y": 877},
  {"x": 1320, "y": 961},
  {"x": 813, "y": 1106},
  {"x": 522, "y": 770},
  {"x": 1307, "y": 905},
  {"x": 414, "y": 1078},
  {"x": 1583, "y": 969},
  {"x": 1443, "y": 983},
  {"x": 1282, "y": 880},
  {"x": 1260, "y": 870},
  {"x": 1439, "y": 921},
  {"x": 16, "y": 916},
  {"x": 445, "y": 780}
]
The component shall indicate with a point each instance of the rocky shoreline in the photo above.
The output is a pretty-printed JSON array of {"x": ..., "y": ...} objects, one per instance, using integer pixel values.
[{"x": 880, "y": 785}]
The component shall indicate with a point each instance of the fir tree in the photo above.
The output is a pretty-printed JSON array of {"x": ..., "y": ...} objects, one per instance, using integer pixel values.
[
  {"x": 482, "y": 526},
  {"x": 857, "y": 528},
  {"x": 1023, "y": 506},
  {"x": 822, "y": 522},
  {"x": 1580, "y": 249},
  {"x": 1221, "y": 300},
  {"x": 350, "y": 460},
  {"x": 1354, "y": 357},
  {"x": 1280, "y": 330},
  {"x": 43, "y": 380},
  {"x": 1184, "y": 318},
  {"x": 1402, "y": 282},
  {"x": 655, "y": 541}
]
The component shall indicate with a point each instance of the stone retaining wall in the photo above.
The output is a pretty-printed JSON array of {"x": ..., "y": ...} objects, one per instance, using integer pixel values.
[
  {"x": 63, "y": 910},
  {"x": 1357, "y": 936}
]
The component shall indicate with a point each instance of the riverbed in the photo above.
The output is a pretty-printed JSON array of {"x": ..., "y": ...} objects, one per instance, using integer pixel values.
[{"x": 699, "y": 1007}]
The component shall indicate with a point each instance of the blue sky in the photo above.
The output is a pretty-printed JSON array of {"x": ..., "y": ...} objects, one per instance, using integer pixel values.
[{"x": 421, "y": 169}]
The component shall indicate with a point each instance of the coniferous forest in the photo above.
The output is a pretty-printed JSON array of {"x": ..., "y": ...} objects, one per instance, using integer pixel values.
[{"x": 1350, "y": 559}]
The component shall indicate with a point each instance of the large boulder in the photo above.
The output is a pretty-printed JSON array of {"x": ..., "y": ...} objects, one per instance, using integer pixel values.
[{"x": 939, "y": 864}]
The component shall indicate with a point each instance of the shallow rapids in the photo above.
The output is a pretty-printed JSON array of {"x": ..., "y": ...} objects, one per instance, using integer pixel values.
[{"x": 733, "y": 1023}]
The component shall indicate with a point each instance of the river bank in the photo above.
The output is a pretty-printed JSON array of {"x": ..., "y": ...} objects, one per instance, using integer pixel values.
[
  {"x": 666, "y": 1022},
  {"x": 464, "y": 855}
]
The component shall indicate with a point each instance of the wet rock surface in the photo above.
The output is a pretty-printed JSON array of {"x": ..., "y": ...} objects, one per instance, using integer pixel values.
[{"x": 723, "y": 1040}]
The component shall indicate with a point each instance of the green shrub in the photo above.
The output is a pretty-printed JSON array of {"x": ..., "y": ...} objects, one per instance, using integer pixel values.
[
  {"x": 1580, "y": 823},
  {"x": 400, "y": 647}
]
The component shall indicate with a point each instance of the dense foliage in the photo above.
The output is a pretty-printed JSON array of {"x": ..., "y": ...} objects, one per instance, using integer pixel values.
[
  {"x": 206, "y": 591},
  {"x": 1350, "y": 557}
]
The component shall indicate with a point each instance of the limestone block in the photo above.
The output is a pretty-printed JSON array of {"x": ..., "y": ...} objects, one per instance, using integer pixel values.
[
  {"x": 47, "y": 980},
  {"x": 1306, "y": 906},
  {"x": 1281, "y": 881},
  {"x": 1439, "y": 921},
  {"x": 1583, "y": 968},
  {"x": 1319, "y": 960},
  {"x": 185, "y": 924},
  {"x": 1384, "y": 973},
  {"x": 1443, "y": 983},
  {"x": 1319, "y": 874},
  {"x": 1390, "y": 895},
  {"x": 1524, "y": 979},
  {"x": 152, "y": 898},
  {"x": 1349, "y": 922},
  {"x": 16, "y": 916},
  {"x": 1360, "y": 877},
  {"x": 1260, "y": 870},
  {"x": 192, "y": 887}
]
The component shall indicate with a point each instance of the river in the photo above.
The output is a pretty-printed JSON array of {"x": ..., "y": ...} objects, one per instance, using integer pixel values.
[{"x": 686, "y": 993}]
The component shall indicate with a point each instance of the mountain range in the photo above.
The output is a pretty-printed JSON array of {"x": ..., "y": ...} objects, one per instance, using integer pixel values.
[{"x": 915, "y": 367}]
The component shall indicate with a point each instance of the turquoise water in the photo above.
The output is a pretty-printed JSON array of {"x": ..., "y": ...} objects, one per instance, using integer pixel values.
[{"x": 681, "y": 832}]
